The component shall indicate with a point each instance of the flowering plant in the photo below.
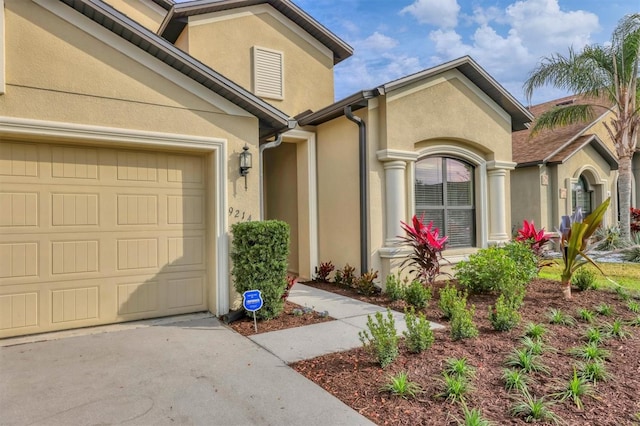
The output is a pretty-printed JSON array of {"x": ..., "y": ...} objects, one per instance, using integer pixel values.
[
  {"x": 427, "y": 245},
  {"x": 635, "y": 220},
  {"x": 575, "y": 232},
  {"x": 534, "y": 239}
]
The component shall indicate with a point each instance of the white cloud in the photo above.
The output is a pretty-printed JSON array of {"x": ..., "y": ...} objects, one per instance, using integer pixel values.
[
  {"x": 530, "y": 29},
  {"x": 377, "y": 42},
  {"x": 441, "y": 13}
]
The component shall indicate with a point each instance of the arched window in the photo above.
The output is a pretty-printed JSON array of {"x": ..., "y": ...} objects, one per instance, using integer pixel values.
[
  {"x": 444, "y": 193},
  {"x": 582, "y": 195}
]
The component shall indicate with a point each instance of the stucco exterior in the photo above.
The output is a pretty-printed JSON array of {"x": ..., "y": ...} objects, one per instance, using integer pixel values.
[
  {"x": 114, "y": 87},
  {"x": 552, "y": 162},
  {"x": 221, "y": 40}
]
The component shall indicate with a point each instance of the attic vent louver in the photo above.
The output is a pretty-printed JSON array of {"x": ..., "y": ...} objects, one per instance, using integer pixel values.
[
  {"x": 268, "y": 73},
  {"x": 567, "y": 102}
]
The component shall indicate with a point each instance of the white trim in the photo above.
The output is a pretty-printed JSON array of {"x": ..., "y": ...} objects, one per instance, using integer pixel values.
[
  {"x": 506, "y": 165},
  {"x": 135, "y": 53},
  {"x": 396, "y": 154},
  {"x": 48, "y": 130},
  {"x": 258, "y": 10},
  {"x": 442, "y": 78},
  {"x": 310, "y": 138},
  {"x": 482, "y": 210},
  {"x": 2, "y": 48}
]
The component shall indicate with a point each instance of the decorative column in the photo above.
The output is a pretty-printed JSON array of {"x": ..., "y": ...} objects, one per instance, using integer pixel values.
[
  {"x": 395, "y": 204},
  {"x": 394, "y": 172},
  {"x": 499, "y": 211}
]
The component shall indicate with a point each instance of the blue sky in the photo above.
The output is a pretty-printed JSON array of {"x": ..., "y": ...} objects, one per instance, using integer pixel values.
[{"x": 393, "y": 38}]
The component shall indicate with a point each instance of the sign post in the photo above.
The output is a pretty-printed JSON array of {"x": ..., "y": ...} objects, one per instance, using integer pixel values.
[{"x": 252, "y": 302}]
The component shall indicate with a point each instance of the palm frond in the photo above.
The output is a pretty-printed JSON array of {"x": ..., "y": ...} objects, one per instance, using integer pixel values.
[{"x": 562, "y": 116}]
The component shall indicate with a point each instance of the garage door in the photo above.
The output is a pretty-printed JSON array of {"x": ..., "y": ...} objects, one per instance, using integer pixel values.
[{"x": 93, "y": 235}]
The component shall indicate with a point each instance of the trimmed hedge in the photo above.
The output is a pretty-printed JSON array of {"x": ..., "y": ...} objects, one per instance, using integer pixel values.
[{"x": 260, "y": 252}]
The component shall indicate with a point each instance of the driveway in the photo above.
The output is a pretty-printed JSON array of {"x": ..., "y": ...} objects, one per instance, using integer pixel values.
[{"x": 183, "y": 371}]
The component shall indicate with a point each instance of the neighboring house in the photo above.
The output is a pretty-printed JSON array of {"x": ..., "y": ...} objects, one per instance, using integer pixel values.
[
  {"x": 121, "y": 126},
  {"x": 558, "y": 170}
]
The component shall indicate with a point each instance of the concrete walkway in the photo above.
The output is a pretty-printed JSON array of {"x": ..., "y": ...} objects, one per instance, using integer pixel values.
[
  {"x": 189, "y": 369},
  {"x": 310, "y": 341}
]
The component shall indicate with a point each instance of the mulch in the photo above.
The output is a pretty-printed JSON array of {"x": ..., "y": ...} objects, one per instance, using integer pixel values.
[
  {"x": 288, "y": 319},
  {"x": 355, "y": 378}
]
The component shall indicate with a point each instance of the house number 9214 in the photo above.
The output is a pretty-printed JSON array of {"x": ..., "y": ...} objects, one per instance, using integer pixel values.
[{"x": 239, "y": 214}]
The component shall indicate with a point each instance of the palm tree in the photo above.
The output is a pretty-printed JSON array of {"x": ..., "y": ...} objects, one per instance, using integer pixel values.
[{"x": 607, "y": 76}]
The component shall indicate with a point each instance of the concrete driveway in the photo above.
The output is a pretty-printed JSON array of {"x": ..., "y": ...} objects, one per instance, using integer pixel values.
[{"x": 184, "y": 371}]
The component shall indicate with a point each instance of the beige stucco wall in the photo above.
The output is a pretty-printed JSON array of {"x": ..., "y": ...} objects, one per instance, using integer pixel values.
[
  {"x": 597, "y": 171},
  {"x": 281, "y": 193},
  {"x": 57, "y": 72},
  {"x": 224, "y": 42},
  {"x": 338, "y": 193},
  {"x": 447, "y": 106},
  {"x": 145, "y": 12},
  {"x": 446, "y": 111},
  {"x": 528, "y": 197}
]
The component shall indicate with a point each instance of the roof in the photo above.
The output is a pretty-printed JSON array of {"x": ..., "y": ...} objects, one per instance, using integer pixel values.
[
  {"x": 177, "y": 18},
  {"x": 165, "y": 4},
  {"x": 520, "y": 116},
  {"x": 270, "y": 118},
  {"x": 558, "y": 145}
]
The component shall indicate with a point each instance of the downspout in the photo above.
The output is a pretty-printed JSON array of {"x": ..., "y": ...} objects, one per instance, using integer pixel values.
[
  {"x": 273, "y": 144},
  {"x": 364, "y": 214}
]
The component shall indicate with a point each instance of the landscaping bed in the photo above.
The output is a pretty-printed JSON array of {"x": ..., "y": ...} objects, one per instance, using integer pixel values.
[
  {"x": 356, "y": 378},
  {"x": 292, "y": 316}
]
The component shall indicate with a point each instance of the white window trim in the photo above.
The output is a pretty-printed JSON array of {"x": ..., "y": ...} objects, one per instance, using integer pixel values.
[
  {"x": 256, "y": 90},
  {"x": 480, "y": 164}
]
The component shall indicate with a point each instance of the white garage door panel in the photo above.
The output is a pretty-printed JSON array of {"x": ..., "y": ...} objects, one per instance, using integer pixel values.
[{"x": 92, "y": 236}]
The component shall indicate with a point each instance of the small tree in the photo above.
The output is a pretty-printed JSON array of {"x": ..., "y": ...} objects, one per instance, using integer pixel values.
[
  {"x": 259, "y": 253},
  {"x": 574, "y": 242}
]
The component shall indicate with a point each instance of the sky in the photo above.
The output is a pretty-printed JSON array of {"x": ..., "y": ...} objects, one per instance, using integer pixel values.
[{"x": 394, "y": 38}]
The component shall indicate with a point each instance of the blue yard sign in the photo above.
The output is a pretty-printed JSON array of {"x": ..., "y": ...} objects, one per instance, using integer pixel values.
[{"x": 252, "y": 301}]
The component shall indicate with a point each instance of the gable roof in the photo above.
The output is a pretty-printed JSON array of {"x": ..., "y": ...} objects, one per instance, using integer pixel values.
[
  {"x": 558, "y": 145},
  {"x": 270, "y": 118},
  {"x": 520, "y": 116},
  {"x": 177, "y": 18}
]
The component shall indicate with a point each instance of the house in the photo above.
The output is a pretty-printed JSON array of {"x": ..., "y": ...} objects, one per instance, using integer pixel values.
[
  {"x": 122, "y": 123},
  {"x": 561, "y": 169}
]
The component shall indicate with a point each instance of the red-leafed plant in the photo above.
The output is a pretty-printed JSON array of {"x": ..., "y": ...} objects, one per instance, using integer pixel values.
[
  {"x": 291, "y": 281},
  {"x": 635, "y": 220},
  {"x": 535, "y": 239},
  {"x": 427, "y": 245}
]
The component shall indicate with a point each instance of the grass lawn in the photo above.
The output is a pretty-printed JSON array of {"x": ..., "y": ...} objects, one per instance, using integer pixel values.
[{"x": 625, "y": 274}]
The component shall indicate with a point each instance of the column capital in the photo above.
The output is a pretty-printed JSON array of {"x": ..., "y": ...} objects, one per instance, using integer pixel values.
[
  {"x": 497, "y": 165},
  {"x": 396, "y": 154},
  {"x": 396, "y": 164}
]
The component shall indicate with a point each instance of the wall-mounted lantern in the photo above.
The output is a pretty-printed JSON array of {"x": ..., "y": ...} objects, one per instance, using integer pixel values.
[{"x": 245, "y": 163}]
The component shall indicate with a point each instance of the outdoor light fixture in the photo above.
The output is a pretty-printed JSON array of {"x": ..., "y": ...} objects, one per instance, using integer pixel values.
[{"x": 245, "y": 163}]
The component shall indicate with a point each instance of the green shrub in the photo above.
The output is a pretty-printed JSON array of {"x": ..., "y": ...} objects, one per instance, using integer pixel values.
[
  {"x": 400, "y": 385},
  {"x": 609, "y": 238},
  {"x": 417, "y": 295},
  {"x": 365, "y": 284},
  {"x": 462, "y": 326},
  {"x": 526, "y": 260},
  {"x": 584, "y": 279},
  {"x": 490, "y": 269},
  {"x": 448, "y": 295},
  {"x": 419, "y": 336},
  {"x": 259, "y": 251},
  {"x": 394, "y": 287},
  {"x": 381, "y": 339},
  {"x": 632, "y": 254},
  {"x": 503, "y": 316}
]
